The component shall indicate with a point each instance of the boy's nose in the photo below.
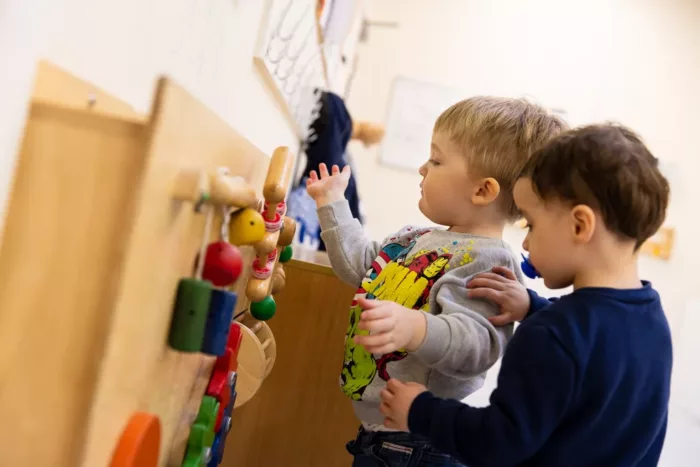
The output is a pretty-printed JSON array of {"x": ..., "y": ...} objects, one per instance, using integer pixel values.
[
  {"x": 526, "y": 244},
  {"x": 421, "y": 170}
]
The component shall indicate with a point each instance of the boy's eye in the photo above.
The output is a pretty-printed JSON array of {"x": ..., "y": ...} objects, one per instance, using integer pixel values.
[{"x": 433, "y": 162}]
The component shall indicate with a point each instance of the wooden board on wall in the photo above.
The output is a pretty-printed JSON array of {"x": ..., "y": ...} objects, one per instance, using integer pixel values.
[
  {"x": 60, "y": 263},
  {"x": 300, "y": 418},
  {"x": 139, "y": 371}
]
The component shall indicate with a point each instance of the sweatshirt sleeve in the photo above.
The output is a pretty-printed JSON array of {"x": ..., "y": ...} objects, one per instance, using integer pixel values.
[
  {"x": 350, "y": 251},
  {"x": 538, "y": 303},
  {"x": 535, "y": 386},
  {"x": 460, "y": 341}
]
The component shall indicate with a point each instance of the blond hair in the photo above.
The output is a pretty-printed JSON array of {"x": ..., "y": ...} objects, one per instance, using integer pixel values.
[{"x": 498, "y": 135}]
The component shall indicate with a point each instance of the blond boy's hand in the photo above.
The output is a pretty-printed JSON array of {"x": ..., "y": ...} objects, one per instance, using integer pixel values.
[
  {"x": 397, "y": 399},
  {"x": 329, "y": 187},
  {"x": 501, "y": 287},
  {"x": 391, "y": 326}
]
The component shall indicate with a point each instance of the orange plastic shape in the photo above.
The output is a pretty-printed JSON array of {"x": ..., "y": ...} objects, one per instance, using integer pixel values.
[{"x": 139, "y": 444}]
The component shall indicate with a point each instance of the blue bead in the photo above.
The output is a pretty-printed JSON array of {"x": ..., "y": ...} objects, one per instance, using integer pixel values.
[{"x": 221, "y": 309}]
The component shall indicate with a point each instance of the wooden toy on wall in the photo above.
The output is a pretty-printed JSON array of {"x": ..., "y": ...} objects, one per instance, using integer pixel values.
[
  {"x": 277, "y": 227},
  {"x": 203, "y": 306}
]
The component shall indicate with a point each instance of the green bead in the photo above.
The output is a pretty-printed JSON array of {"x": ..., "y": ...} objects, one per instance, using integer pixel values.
[
  {"x": 286, "y": 254},
  {"x": 190, "y": 315},
  {"x": 263, "y": 310}
]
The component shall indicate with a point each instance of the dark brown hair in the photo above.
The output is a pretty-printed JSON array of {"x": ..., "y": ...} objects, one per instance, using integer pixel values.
[{"x": 608, "y": 168}]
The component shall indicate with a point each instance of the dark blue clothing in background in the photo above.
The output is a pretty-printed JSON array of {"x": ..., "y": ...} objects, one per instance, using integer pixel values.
[
  {"x": 333, "y": 129},
  {"x": 585, "y": 381}
]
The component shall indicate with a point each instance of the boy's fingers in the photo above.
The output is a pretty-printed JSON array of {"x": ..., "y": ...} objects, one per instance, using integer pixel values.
[
  {"x": 373, "y": 340},
  {"x": 335, "y": 170},
  {"x": 505, "y": 272},
  {"x": 501, "y": 320},
  {"x": 346, "y": 170},
  {"x": 376, "y": 325},
  {"x": 366, "y": 304},
  {"x": 386, "y": 396},
  {"x": 487, "y": 282},
  {"x": 394, "y": 385},
  {"x": 487, "y": 294},
  {"x": 382, "y": 349},
  {"x": 323, "y": 168},
  {"x": 370, "y": 314},
  {"x": 385, "y": 409},
  {"x": 313, "y": 177},
  {"x": 493, "y": 276}
]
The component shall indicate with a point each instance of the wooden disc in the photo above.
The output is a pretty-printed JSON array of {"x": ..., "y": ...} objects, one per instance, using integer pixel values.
[
  {"x": 269, "y": 345},
  {"x": 251, "y": 366},
  {"x": 139, "y": 444}
]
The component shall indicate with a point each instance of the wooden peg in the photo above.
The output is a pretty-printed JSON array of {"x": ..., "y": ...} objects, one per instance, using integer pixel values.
[
  {"x": 231, "y": 191},
  {"x": 191, "y": 185},
  {"x": 258, "y": 289},
  {"x": 278, "y": 176}
]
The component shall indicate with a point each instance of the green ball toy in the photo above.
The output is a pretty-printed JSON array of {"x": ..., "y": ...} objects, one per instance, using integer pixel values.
[
  {"x": 264, "y": 310},
  {"x": 286, "y": 254}
]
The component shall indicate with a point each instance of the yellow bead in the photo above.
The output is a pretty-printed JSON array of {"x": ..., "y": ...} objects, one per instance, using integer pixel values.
[{"x": 246, "y": 227}]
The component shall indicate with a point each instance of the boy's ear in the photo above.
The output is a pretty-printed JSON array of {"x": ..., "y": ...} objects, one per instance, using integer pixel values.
[
  {"x": 487, "y": 190},
  {"x": 584, "y": 223}
]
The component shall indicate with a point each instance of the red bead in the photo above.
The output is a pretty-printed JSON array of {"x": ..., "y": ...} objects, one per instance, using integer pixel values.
[{"x": 223, "y": 264}]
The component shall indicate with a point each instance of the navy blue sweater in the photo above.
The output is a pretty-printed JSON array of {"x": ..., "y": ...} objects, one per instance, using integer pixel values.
[{"x": 585, "y": 382}]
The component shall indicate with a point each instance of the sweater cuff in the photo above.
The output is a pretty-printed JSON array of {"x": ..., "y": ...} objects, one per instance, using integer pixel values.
[
  {"x": 536, "y": 303},
  {"x": 420, "y": 414},
  {"x": 334, "y": 214},
  {"x": 435, "y": 345}
]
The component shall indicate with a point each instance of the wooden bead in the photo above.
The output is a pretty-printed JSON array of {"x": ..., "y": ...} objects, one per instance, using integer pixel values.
[
  {"x": 279, "y": 279},
  {"x": 263, "y": 310},
  {"x": 288, "y": 231},
  {"x": 216, "y": 332},
  {"x": 190, "y": 315},
  {"x": 246, "y": 227},
  {"x": 286, "y": 254}
]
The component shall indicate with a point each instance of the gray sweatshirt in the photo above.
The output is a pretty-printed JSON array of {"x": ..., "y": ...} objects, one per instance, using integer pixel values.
[{"x": 423, "y": 269}]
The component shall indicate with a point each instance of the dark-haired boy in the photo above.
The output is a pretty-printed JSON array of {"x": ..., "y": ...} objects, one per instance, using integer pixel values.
[{"x": 585, "y": 382}]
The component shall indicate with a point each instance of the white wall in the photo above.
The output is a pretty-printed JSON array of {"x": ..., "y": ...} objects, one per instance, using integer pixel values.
[
  {"x": 634, "y": 61},
  {"x": 122, "y": 46},
  {"x": 21, "y": 37}
]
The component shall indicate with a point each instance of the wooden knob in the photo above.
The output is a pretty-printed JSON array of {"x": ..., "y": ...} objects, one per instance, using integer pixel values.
[
  {"x": 279, "y": 277},
  {"x": 191, "y": 185},
  {"x": 278, "y": 175},
  {"x": 231, "y": 191},
  {"x": 289, "y": 228}
]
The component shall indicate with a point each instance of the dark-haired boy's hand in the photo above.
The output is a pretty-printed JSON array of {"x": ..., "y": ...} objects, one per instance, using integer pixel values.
[{"x": 501, "y": 287}]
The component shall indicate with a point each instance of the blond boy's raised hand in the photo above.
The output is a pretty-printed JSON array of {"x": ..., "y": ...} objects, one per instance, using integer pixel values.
[
  {"x": 328, "y": 188},
  {"x": 501, "y": 287}
]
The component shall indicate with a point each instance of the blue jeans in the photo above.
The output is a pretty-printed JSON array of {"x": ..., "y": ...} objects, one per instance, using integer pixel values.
[{"x": 396, "y": 449}]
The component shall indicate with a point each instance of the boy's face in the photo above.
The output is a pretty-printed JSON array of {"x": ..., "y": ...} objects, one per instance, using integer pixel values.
[
  {"x": 550, "y": 237},
  {"x": 447, "y": 186}
]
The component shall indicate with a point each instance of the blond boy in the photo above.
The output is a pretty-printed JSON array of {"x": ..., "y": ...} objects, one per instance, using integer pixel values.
[{"x": 412, "y": 318}]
